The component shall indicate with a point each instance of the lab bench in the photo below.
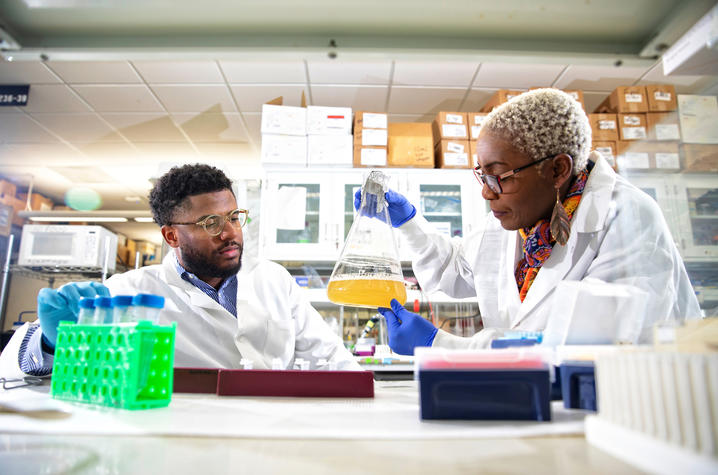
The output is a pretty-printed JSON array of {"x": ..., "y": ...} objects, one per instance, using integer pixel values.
[{"x": 218, "y": 434}]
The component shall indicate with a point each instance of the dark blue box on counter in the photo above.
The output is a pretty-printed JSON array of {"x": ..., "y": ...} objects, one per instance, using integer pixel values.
[
  {"x": 486, "y": 394},
  {"x": 578, "y": 386}
]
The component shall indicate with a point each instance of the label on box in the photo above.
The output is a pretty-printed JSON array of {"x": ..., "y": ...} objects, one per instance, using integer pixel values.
[
  {"x": 455, "y": 147},
  {"x": 451, "y": 130},
  {"x": 667, "y": 132},
  {"x": 573, "y": 94},
  {"x": 633, "y": 133},
  {"x": 374, "y": 121},
  {"x": 605, "y": 151},
  {"x": 475, "y": 129},
  {"x": 636, "y": 160},
  {"x": 456, "y": 159},
  {"x": 607, "y": 125},
  {"x": 631, "y": 120},
  {"x": 662, "y": 96},
  {"x": 373, "y": 157},
  {"x": 335, "y": 121},
  {"x": 667, "y": 160},
  {"x": 374, "y": 137},
  {"x": 634, "y": 97},
  {"x": 454, "y": 119},
  {"x": 479, "y": 119},
  {"x": 510, "y": 96}
]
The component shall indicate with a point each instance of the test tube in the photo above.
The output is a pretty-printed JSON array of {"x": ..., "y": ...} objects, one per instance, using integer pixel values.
[
  {"x": 121, "y": 305},
  {"x": 103, "y": 310},
  {"x": 147, "y": 307},
  {"x": 86, "y": 315}
]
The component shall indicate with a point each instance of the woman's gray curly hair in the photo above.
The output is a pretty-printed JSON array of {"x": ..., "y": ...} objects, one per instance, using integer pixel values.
[{"x": 543, "y": 122}]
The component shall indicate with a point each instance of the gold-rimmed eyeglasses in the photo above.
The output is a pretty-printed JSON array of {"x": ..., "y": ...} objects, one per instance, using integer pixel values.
[{"x": 214, "y": 224}]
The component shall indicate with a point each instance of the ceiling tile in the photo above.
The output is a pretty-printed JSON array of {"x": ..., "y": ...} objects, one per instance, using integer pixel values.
[
  {"x": 109, "y": 152},
  {"x": 366, "y": 98},
  {"x": 599, "y": 78},
  {"x": 38, "y": 153},
  {"x": 95, "y": 72},
  {"x": 19, "y": 128},
  {"x": 184, "y": 72},
  {"x": 424, "y": 100},
  {"x": 26, "y": 72},
  {"x": 130, "y": 98},
  {"x": 157, "y": 151},
  {"x": 205, "y": 98},
  {"x": 517, "y": 76},
  {"x": 349, "y": 72},
  {"x": 253, "y": 122},
  {"x": 54, "y": 98},
  {"x": 146, "y": 127},
  {"x": 206, "y": 127},
  {"x": 434, "y": 73},
  {"x": 251, "y": 98},
  {"x": 78, "y": 127},
  {"x": 476, "y": 99},
  {"x": 234, "y": 151},
  {"x": 273, "y": 72}
]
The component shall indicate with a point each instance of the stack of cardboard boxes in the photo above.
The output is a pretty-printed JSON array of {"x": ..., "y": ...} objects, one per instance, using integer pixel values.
[
  {"x": 698, "y": 117},
  {"x": 284, "y": 135},
  {"x": 14, "y": 202},
  {"x": 639, "y": 126},
  {"x": 451, "y": 140},
  {"x": 127, "y": 250},
  {"x": 329, "y": 136},
  {"x": 371, "y": 139}
]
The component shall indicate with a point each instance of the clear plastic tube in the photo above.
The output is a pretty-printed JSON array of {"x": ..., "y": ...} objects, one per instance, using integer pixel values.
[
  {"x": 103, "y": 310},
  {"x": 86, "y": 315},
  {"x": 121, "y": 309},
  {"x": 147, "y": 307}
]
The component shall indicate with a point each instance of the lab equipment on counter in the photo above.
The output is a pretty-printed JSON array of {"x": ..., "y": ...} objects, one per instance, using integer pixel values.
[
  {"x": 121, "y": 309},
  {"x": 123, "y": 366},
  {"x": 368, "y": 272},
  {"x": 517, "y": 338},
  {"x": 365, "y": 346},
  {"x": 282, "y": 383},
  {"x": 576, "y": 373},
  {"x": 509, "y": 384}
]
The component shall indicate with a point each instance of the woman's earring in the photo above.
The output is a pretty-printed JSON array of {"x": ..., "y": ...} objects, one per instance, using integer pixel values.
[{"x": 560, "y": 225}]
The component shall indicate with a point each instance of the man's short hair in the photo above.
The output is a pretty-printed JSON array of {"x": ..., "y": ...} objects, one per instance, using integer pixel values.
[{"x": 172, "y": 189}]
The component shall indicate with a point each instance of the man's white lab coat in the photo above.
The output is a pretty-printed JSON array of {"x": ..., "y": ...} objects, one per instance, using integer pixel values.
[{"x": 618, "y": 235}]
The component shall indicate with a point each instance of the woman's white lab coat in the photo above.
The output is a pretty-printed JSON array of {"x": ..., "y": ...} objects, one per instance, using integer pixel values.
[
  {"x": 618, "y": 235},
  {"x": 274, "y": 318}
]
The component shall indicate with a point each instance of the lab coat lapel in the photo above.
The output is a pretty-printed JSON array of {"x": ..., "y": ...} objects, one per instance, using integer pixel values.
[{"x": 590, "y": 217}]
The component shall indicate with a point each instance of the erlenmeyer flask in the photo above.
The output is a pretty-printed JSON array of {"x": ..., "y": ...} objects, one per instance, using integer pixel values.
[{"x": 368, "y": 272}]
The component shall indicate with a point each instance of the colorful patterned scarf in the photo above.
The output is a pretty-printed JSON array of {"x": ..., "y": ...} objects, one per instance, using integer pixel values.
[{"x": 538, "y": 242}]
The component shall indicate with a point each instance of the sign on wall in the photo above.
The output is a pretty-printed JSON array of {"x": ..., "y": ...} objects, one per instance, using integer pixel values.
[{"x": 14, "y": 95}]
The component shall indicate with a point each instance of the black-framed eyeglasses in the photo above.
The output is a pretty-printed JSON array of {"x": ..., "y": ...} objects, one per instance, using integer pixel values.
[
  {"x": 494, "y": 181},
  {"x": 214, "y": 224}
]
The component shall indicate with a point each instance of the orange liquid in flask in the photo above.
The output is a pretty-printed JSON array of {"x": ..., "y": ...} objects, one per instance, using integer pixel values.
[{"x": 374, "y": 292}]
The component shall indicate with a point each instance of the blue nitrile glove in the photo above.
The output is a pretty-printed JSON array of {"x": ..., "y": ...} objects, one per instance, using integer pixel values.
[
  {"x": 400, "y": 210},
  {"x": 53, "y": 306},
  {"x": 407, "y": 330}
]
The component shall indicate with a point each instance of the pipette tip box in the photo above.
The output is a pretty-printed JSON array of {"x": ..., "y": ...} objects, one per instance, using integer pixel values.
[
  {"x": 484, "y": 386},
  {"x": 126, "y": 366},
  {"x": 286, "y": 383}
]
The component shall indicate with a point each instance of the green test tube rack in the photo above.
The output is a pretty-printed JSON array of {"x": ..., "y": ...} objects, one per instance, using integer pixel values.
[{"x": 127, "y": 366}]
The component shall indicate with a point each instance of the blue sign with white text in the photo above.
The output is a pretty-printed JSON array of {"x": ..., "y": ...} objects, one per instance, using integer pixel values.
[{"x": 14, "y": 95}]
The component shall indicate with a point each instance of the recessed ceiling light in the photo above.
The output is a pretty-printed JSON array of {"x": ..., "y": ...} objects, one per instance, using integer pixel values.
[{"x": 133, "y": 199}]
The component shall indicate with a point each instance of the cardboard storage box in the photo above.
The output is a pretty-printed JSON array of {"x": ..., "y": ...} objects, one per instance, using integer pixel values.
[
  {"x": 663, "y": 126},
  {"x": 604, "y": 126},
  {"x": 453, "y": 154},
  {"x": 499, "y": 97},
  {"x": 625, "y": 99},
  {"x": 323, "y": 120},
  {"x": 699, "y": 157},
  {"x": 607, "y": 148},
  {"x": 476, "y": 120},
  {"x": 663, "y": 156},
  {"x": 450, "y": 125},
  {"x": 7, "y": 188},
  {"x": 329, "y": 150},
  {"x": 284, "y": 120},
  {"x": 632, "y": 127},
  {"x": 17, "y": 206},
  {"x": 661, "y": 97},
  {"x": 411, "y": 144},
  {"x": 370, "y": 129},
  {"x": 6, "y": 215},
  {"x": 370, "y": 157},
  {"x": 284, "y": 150},
  {"x": 370, "y": 120},
  {"x": 575, "y": 93},
  {"x": 38, "y": 202}
]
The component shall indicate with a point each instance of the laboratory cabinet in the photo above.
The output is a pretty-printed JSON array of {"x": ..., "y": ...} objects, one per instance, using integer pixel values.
[
  {"x": 307, "y": 214},
  {"x": 696, "y": 203}
]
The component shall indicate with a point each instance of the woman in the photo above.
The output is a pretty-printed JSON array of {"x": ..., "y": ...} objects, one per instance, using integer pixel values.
[{"x": 557, "y": 214}]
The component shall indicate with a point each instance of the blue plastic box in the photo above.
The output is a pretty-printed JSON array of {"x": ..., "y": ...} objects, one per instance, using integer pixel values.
[
  {"x": 578, "y": 385},
  {"x": 487, "y": 394}
]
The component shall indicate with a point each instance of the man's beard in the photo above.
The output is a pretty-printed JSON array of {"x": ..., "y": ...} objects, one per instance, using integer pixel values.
[{"x": 202, "y": 266}]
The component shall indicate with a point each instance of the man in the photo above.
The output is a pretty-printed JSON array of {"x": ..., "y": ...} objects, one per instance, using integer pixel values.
[{"x": 226, "y": 308}]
